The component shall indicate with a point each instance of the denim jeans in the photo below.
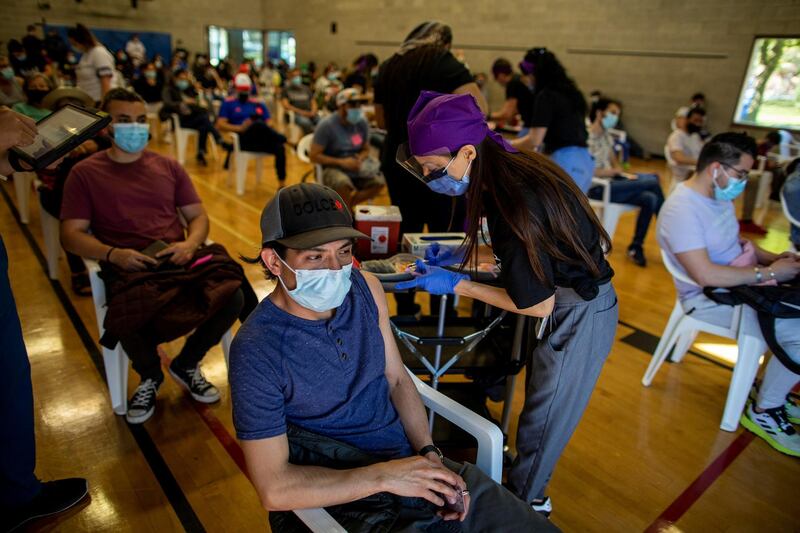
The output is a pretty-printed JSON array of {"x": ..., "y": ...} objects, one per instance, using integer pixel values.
[
  {"x": 644, "y": 192},
  {"x": 577, "y": 162},
  {"x": 791, "y": 194}
]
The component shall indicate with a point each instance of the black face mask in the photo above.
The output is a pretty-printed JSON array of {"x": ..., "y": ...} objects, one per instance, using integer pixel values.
[
  {"x": 35, "y": 96},
  {"x": 244, "y": 97},
  {"x": 693, "y": 128}
]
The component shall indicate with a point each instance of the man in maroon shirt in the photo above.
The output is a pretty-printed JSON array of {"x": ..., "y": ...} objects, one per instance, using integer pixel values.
[{"x": 130, "y": 197}]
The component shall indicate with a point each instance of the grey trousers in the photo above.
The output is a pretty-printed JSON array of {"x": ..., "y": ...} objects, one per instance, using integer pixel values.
[
  {"x": 492, "y": 509},
  {"x": 562, "y": 372}
]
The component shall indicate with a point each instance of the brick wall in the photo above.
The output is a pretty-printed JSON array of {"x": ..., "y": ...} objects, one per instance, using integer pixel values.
[{"x": 650, "y": 88}]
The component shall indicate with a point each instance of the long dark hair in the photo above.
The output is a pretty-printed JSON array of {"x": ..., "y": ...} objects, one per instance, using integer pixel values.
[
  {"x": 550, "y": 74},
  {"x": 507, "y": 179},
  {"x": 81, "y": 35}
]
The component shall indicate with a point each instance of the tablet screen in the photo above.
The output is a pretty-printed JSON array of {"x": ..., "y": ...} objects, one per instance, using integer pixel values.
[{"x": 57, "y": 129}]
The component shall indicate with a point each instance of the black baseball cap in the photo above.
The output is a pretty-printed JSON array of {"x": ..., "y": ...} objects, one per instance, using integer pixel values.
[{"x": 306, "y": 215}]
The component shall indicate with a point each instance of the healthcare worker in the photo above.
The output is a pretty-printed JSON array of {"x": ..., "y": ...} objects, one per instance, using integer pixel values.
[
  {"x": 550, "y": 249},
  {"x": 557, "y": 124}
]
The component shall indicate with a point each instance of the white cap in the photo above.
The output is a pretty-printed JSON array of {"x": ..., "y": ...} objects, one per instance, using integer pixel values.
[
  {"x": 242, "y": 81},
  {"x": 682, "y": 112},
  {"x": 350, "y": 95}
]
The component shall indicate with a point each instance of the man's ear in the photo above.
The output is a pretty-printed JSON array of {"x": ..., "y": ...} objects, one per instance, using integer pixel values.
[{"x": 271, "y": 260}]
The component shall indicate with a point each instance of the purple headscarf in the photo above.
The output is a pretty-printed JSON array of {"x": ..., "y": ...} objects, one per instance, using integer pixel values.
[{"x": 448, "y": 121}]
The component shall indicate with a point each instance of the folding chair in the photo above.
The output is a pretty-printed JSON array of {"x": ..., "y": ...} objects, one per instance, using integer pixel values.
[{"x": 682, "y": 329}]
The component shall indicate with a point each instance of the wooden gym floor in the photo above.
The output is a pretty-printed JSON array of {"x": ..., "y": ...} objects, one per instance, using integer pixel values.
[{"x": 642, "y": 458}]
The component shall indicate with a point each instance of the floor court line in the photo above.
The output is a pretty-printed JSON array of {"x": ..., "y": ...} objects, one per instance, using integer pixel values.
[
  {"x": 699, "y": 486},
  {"x": 166, "y": 480}
]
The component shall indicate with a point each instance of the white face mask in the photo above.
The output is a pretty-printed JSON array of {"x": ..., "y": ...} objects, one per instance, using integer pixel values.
[{"x": 320, "y": 290}]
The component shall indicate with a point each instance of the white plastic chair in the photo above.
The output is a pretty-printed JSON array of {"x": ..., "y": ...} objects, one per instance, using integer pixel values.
[
  {"x": 154, "y": 119},
  {"x": 182, "y": 139},
  {"x": 303, "y": 147},
  {"x": 116, "y": 360},
  {"x": 672, "y": 165},
  {"x": 488, "y": 435},
  {"x": 793, "y": 221},
  {"x": 609, "y": 211},
  {"x": 240, "y": 160},
  {"x": 23, "y": 182},
  {"x": 682, "y": 329}
]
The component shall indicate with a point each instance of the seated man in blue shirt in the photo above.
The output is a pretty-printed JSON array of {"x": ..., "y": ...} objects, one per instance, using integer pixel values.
[
  {"x": 322, "y": 403},
  {"x": 250, "y": 119},
  {"x": 340, "y": 146}
]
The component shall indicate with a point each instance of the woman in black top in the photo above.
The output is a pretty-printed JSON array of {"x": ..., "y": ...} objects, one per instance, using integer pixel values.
[
  {"x": 424, "y": 62},
  {"x": 557, "y": 124},
  {"x": 150, "y": 85},
  {"x": 550, "y": 248}
]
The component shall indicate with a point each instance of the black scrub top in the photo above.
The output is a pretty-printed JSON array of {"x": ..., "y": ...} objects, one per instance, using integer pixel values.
[
  {"x": 442, "y": 72},
  {"x": 516, "y": 274},
  {"x": 517, "y": 89},
  {"x": 565, "y": 123}
]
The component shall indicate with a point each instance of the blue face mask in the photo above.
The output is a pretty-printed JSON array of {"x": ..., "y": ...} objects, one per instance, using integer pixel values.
[
  {"x": 610, "y": 120},
  {"x": 354, "y": 116},
  {"x": 182, "y": 84},
  {"x": 297, "y": 80},
  {"x": 131, "y": 138},
  {"x": 320, "y": 290},
  {"x": 8, "y": 73},
  {"x": 449, "y": 185},
  {"x": 734, "y": 188}
]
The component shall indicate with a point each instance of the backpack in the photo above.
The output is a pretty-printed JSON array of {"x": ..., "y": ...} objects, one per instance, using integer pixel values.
[{"x": 769, "y": 302}]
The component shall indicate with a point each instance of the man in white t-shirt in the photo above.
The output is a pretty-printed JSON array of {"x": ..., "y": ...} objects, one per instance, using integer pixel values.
[
  {"x": 684, "y": 143},
  {"x": 136, "y": 50},
  {"x": 697, "y": 229}
]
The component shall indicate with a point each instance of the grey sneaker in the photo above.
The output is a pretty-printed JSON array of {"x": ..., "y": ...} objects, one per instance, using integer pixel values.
[
  {"x": 193, "y": 380},
  {"x": 142, "y": 404},
  {"x": 774, "y": 427}
]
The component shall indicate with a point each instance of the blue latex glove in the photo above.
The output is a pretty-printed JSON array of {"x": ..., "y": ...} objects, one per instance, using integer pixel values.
[
  {"x": 438, "y": 255},
  {"x": 433, "y": 280}
]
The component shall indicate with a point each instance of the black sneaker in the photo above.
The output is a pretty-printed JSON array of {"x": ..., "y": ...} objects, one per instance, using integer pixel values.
[
  {"x": 636, "y": 253},
  {"x": 195, "y": 382},
  {"x": 142, "y": 404},
  {"x": 201, "y": 159},
  {"x": 55, "y": 497},
  {"x": 543, "y": 507}
]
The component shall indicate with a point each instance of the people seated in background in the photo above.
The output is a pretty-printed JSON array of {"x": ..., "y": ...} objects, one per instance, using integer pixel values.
[
  {"x": 119, "y": 202},
  {"x": 766, "y": 146},
  {"x": 341, "y": 146},
  {"x": 36, "y": 87},
  {"x": 51, "y": 188},
  {"x": 206, "y": 76},
  {"x": 124, "y": 65},
  {"x": 365, "y": 68},
  {"x": 136, "y": 50},
  {"x": 684, "y": 143},
  {"x": 299, "y": 98},
  {"x": 791, "y": 195},
  {"x": 519, "y": 97},
  {"x": 55, "y": 47},
  {"x": 327, "y": 86},
  {"x": 249, "y": 118},
  {"x": 150, "y": 85},
  {"x": 642, "y": 190},
  {"x": 10, "y": 86},
  {"x": 33, "y": 45},
  {"x": 181, "y": 97},
  {"x": 697, "y": 229},
  {"x": 23, "y": 64},
  {"x": 322, "y": 404}
]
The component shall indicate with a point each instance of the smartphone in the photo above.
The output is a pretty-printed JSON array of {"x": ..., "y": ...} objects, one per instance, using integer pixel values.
[{"x": 163, "y": 261}]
